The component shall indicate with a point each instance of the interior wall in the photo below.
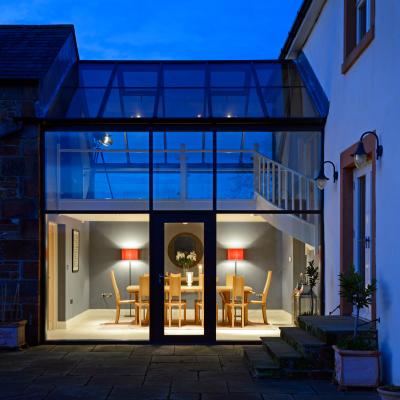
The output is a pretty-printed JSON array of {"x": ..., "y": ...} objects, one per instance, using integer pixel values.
[
  {"x": 172, "y": 229},
  {"x": 106, "y": 241},
  {"x": 261, "y": 242},
  {"x": 75, "y": 296},
  {"x": 287, "y": 264}
]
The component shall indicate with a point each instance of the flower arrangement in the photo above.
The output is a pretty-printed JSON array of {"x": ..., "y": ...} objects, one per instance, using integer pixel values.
[{"x": 186, "y": 259}]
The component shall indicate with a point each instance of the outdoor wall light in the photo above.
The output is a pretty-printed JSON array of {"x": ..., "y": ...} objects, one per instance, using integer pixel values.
[
  {"x": 322, "y": 179},
  {"x": 361, "y": 156},
  {"x": 106, "y": 140}
]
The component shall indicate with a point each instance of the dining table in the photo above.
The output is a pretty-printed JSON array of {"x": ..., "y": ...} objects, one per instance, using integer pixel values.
[{"x": 223, "y": 291}]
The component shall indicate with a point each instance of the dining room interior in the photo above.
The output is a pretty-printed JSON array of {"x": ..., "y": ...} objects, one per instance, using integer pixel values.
[{"x": 98, "y": 275}]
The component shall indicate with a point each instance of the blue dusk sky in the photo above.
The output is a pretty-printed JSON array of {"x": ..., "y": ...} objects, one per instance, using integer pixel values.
[{"x": 164, "y": 29}]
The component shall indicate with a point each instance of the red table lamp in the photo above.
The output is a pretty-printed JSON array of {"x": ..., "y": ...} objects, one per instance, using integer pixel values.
[
  {"x": 130, "y": 255},
  {"x": 235, "y": 254}
]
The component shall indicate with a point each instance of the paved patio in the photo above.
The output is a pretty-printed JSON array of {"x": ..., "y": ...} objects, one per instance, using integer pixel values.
[{"x": 148, "y": 372}]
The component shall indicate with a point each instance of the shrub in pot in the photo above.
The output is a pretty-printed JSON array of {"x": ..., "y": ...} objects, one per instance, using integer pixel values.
[
  {"x": 389, "y": 392},
  {"x": 12, "y": 326},
  {"x": 357, "y": 360}
]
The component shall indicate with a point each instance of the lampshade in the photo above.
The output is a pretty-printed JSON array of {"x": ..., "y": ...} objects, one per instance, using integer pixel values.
[
  {"x": 235, "y": 254},
  {"x": 130, "y": 254}
]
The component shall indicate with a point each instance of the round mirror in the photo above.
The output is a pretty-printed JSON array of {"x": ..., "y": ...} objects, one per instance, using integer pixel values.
[{"x": 185, "y": 250}]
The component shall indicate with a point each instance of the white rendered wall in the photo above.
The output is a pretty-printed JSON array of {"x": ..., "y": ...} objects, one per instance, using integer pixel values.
[{"x": 367, "y": 97}]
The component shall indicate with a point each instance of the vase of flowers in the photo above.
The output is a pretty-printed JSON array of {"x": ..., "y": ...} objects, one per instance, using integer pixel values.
[{"x": 186, "y": 260}]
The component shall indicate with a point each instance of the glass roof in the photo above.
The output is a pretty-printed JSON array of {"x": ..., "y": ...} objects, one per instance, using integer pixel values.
[{"x": 251, "y": 89}]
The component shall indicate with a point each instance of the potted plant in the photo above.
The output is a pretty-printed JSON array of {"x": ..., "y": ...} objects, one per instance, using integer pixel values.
[
  {"x": 187, "y": 260},
  {"x": 312, "y": 277},
  {"x": 389, "y": 392},
  {"x": 12, "y": 326},
  {"x": 357, "y": 357}
]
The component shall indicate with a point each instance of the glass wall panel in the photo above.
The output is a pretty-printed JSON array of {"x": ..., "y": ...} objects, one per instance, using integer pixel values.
[
  {"x": 92, "y": 262},
  {"x": 268, "y": 170},
  {"x": 183, "y": 178},
  {"x": 97, "y": 170},
  {"x": 261, "y": 273}
]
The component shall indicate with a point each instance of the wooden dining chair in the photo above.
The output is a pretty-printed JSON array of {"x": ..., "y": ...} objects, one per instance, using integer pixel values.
[
  {"x": 199, "y": 303},
  {"x": 118, "y": 300},
  {"x": 224, "y": 296},
  {"x": 174, "y": 298},
  {"x": 237, "y": 299},
  {"x": 264, "y": 296},
  {"x": 143, "y": 299}
]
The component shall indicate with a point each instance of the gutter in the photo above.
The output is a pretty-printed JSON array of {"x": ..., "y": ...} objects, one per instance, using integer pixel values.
[{"x": 302, "y": 27}]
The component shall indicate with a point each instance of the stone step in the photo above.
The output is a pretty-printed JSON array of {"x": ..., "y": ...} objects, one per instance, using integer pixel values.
[
  {"x": 283, "y": 354},
  {"x": 319, "y": 354},
  {"x": 330, "y": 329},
  {"x": 263, "y": 366},
  {"x": 260, "y": 362}
]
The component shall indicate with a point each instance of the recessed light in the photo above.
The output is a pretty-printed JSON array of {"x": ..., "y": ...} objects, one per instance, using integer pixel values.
[
  {"x": 138, "y": 116},
  {"x": 185, "y": 223},
  {"x": 198, "y": 115},
  {"x": 228, "y": 115}
]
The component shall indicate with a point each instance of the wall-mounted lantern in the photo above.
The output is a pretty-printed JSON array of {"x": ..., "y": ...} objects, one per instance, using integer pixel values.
[
  {"x": 361, "y": 156},
  {"x": 322, "y": 179}
]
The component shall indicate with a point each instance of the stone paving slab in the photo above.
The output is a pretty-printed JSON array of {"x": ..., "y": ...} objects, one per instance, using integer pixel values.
[{"x": 112, "y": 372}]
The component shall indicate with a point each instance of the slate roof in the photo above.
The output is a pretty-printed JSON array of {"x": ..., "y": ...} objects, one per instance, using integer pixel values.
[{"x": 27, "y": 51}]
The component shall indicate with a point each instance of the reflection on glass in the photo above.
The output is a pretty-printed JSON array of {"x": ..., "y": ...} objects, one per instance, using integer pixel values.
[
  {"x": 261, "y": 272},
  {"x": 184, "y": 279},
  {"x": 182, "y": 164},
  {"x": 82, "y": 173},
  {"x": 268, "y": 170}
]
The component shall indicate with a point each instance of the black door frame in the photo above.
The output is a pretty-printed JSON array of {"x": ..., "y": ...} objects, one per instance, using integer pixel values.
[{"x": 157, "y": 221}]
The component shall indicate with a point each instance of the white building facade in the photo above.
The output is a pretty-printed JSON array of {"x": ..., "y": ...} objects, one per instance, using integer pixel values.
[{"x": 353, "y": 48}]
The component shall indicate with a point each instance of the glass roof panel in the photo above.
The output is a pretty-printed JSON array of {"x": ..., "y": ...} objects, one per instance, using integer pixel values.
[
  {"x": 95, "y": 75},
  {"x": 136, "y": 75},
  {"x": 231, "y": 75},
  {"x": 184, "y": 75},
  {"x": 187, "y": 90},
  {"x": 185, "y": 103}
]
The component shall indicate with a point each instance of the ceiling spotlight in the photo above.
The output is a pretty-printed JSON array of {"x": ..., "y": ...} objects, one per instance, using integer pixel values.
[
  {"x": 106, "y": 140},
  {"x": 361, "y": 156},
  {"x": 138, "y": 116},
  {"x": 198, "y": 115},
  {"x": 184, "y": 223},
  {"x": 322, "y": 179},
  {"x": 229, "y": 115}
]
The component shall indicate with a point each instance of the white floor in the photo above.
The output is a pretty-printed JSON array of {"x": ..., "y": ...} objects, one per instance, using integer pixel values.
[{"x": 100, "y": 325}]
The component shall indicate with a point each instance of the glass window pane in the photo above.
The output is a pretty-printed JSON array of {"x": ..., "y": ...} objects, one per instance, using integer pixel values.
[
  {"x": 182, "y": 172},
  {"x": 238, "y": 102},
  {"x": 137, "y": 75},
  {"x": 265, "y": 250},
  {"x": 268, "y": 170},
  {"x": 230, "y": 75},
  {"x": 97, "y": 75},
  {"x": 277, "y": 74},
  {"x": 293, "y": 102},
  {"x": 182, "y": 103},
  {"x": 129, "y": 103},
  {"x": 85, "y": 103},
  {"x": 96, "y": 170},
  {"x": 184, "y": 75}
]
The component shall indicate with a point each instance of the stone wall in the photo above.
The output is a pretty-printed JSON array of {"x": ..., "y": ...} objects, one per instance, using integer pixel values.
[{"x": 19, "y": 225}]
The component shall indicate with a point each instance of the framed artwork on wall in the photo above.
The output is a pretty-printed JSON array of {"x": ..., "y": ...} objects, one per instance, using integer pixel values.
[{"x": 75, "y": 250}]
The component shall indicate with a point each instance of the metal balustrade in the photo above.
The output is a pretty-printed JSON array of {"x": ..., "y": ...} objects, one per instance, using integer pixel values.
[{"x": 284, "y": 187}]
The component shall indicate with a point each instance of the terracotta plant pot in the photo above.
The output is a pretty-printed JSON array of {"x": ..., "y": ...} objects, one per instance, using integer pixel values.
[
  {"x": 12, "y": 334},
  {"x": 386, "y": 394},
  {"x": 357, "y": 368}
]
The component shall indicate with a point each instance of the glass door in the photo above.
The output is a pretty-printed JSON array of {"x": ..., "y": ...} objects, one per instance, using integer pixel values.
[{"x": 183, "y": 250}]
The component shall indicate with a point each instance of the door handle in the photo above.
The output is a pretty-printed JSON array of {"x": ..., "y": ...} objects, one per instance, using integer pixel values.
[{"x": 160, "y": 279}]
